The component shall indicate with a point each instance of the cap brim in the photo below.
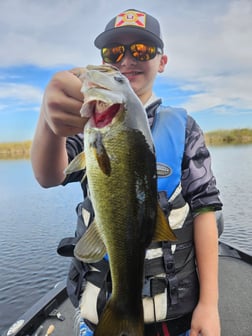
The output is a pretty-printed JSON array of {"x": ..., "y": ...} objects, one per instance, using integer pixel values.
[{"x": 110, "y": 35}]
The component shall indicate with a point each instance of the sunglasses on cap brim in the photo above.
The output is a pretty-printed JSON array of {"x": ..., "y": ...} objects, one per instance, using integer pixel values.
[{"x": 140, "y": 51}]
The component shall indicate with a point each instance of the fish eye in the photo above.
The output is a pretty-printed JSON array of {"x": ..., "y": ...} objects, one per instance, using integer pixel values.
[{"x": 119, "y": 79}]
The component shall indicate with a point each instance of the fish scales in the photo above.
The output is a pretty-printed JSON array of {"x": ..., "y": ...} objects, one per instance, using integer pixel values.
[
  {"x": 125, "y": 212},
  {"x": 125, "y": 201},
  {"x": 121, "y": 172}
]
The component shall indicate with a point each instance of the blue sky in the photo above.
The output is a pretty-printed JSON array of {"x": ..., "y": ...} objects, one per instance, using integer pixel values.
[{"x": 208, "y": 45}]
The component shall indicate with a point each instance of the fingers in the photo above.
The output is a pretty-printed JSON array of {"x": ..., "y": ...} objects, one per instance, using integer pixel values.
[
  {"x": 68, "y": 83},
  {"x": 77, "y": 71},
  {"x": 62, "y": 103}
]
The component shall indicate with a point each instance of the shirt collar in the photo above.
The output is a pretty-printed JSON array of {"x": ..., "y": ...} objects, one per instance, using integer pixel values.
[{"x": 153, "y": 98}]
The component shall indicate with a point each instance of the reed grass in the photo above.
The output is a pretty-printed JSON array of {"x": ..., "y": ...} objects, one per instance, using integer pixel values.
[
  {"x": 21, "y": 150},
  {"x": 15, "y": 150},
  {"x": 229, "y": 137}
]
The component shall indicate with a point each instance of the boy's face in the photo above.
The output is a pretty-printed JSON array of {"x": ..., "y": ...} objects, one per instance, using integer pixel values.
[{"x": 141, "y": 74}]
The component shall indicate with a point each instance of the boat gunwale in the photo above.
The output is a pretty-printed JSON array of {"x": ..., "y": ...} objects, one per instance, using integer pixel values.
[{"x": 39, "y": 311}]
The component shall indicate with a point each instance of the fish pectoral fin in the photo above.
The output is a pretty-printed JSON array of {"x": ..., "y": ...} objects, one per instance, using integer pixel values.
[
  {"x": 90, "y": 248},
  {"x": 163, "y": 231},
  {"x": 101, "y": 154},
  {"x": 78, "y": 163}
]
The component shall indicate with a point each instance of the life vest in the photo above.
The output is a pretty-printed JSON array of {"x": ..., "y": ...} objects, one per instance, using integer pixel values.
[
  {"x": 168, "y": 132},
  {"x": 171, "y": 286}
]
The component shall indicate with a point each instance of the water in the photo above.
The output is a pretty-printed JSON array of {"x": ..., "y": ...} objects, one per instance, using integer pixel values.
[
  {"x": 232, "y": 167},
  {"x": 33, "y": 220}
]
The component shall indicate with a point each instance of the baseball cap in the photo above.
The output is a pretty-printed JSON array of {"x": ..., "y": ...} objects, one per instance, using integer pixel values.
[{"x": 131, "y": 21}]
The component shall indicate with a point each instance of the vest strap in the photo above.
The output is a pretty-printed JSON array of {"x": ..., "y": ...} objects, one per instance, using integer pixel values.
[
  {"x": 76, "y": 274},
  {"x": 166, "y": 206},
  {"x": 101, "y": 279},
  {"x": 171, "y": 278},
  {"x": 66, "y": 246},
  {"x": 153, "y": 286}
]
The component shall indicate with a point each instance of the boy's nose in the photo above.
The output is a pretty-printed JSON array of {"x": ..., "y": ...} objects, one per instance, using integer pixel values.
[{"x": 128, "y": 59}]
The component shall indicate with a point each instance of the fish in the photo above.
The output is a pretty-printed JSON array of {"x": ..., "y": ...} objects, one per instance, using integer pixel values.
[{"x": 120, "y": 164}]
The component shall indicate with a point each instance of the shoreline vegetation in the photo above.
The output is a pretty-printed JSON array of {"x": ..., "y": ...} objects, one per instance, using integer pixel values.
[
  {"x": 241, "y": 136},
  {"x": 15, "y": 150},
  {"x": 21, "y": 150}
]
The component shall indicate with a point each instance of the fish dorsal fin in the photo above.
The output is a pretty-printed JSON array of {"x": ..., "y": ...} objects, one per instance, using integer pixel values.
[
  {"x": 78, "y": 163},
  {"x": 90, "y": 248},
  {"x": 163, "y": 231}
]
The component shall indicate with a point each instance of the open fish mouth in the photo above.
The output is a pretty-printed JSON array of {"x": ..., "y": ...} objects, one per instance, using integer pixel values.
[
  {"x": 103, "y": 94},
  {"x": 100, "y": 112},
  {"x": 103, "y": 114}
]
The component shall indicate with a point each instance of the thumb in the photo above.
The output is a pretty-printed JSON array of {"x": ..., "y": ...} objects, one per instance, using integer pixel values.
[
  {"x": 194, "y": 332},
  {"x": 78, "y": 71}
]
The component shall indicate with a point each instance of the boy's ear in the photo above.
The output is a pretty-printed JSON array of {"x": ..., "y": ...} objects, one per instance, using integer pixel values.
[{"x": 163, "y": 62}]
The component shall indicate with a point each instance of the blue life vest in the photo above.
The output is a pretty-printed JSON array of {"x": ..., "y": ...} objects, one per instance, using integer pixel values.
[{"x": 168, "y": 133}]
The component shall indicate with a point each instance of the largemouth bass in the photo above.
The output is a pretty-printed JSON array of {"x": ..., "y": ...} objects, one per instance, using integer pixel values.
[{"x": 121, "y": 172}]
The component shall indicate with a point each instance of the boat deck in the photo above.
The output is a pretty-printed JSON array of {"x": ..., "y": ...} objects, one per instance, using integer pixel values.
[
  {"x": 62, "y": 328},
  {"x": 235, "y": 281}
]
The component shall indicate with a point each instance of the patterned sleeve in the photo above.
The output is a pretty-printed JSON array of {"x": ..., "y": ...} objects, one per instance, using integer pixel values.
[
  {"x": 74, "y": 146},
  {"x": 198, "y": 182}
]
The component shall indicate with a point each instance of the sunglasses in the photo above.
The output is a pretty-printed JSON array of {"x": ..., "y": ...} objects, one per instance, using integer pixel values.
[{"x": 140, "y": 51}]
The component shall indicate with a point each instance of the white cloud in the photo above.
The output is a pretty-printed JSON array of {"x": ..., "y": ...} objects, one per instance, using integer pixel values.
[
  {"x": 208, "y": 43},
  {"x": 209, "y": 40},
  {"x": 21, "y": 93},
  {"x": 210, "y": 52},
  {"x": 44, "y": 33},
  {"x": 231, "y": 90}
]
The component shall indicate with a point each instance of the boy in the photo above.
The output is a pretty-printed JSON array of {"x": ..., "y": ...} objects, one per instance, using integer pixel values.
[{"x": 132, "y": 42}]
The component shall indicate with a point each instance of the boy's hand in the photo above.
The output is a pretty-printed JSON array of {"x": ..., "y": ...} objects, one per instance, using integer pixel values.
[
  {"x": 205, "y": 321},
  {"x": 62, "y": 103}
]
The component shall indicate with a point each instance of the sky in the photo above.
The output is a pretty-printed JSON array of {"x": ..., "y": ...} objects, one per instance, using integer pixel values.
[{"x": 208, "y": 43}]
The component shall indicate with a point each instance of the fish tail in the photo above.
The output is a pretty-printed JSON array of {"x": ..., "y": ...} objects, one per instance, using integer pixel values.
[{"x": 115, "y": 321}]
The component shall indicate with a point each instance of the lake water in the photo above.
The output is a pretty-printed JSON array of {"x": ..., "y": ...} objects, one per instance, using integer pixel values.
[
  {"x": 232, "y": 166},
  {"x": 33, "y": 220}
]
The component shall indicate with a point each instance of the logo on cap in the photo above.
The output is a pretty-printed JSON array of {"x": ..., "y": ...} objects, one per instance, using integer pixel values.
[{"x": 130, "y": 18}]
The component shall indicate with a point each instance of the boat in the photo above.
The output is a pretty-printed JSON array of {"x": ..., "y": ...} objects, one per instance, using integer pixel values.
[{"x": 54, "y": 314}]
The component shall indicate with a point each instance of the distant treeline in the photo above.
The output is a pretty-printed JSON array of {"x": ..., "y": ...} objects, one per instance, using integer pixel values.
[{"x": 21, "y": 150}]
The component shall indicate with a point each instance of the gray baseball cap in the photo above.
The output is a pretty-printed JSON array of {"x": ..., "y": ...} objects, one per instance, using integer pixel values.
[{"x": 131, "y": 21}]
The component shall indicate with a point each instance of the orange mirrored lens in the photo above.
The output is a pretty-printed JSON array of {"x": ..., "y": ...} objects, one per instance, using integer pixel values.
[{"x": 140, "y": 51}]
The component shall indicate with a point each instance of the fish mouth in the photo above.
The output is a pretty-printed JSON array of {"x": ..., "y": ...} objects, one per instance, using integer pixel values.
[
  {"x": 101, "y": 112},
  {"x": 104, "y": 114},
  {"x": 102, "y": 99}
]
